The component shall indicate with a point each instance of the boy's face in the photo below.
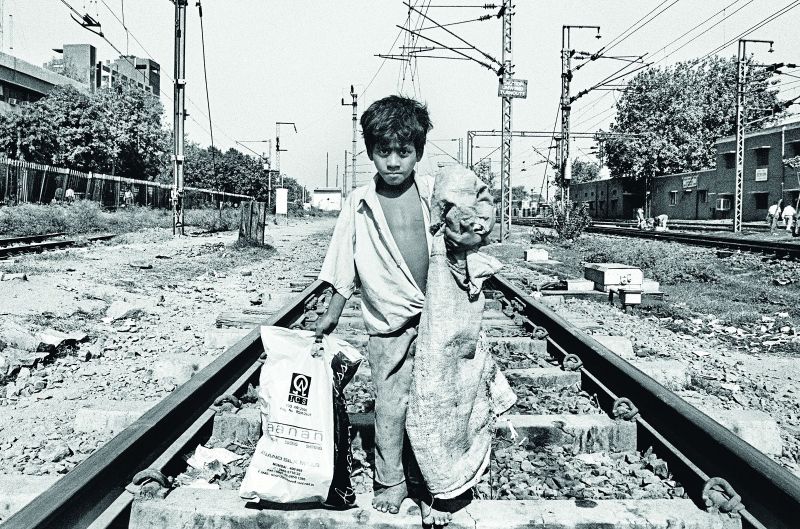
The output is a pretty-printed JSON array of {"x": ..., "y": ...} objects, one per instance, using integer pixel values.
[{"x": 394, "y": 162}]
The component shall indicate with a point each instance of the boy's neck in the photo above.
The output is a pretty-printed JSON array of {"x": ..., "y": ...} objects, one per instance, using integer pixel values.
[{"x": 382, "y": 188}]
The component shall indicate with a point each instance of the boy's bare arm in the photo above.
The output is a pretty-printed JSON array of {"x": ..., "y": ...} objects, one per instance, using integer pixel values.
[{"x": 328, "y": 321}]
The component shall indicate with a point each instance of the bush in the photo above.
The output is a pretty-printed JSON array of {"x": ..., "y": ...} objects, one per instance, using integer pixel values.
[
  {"x": 85, "y": 216},
  {"x": 570, "y": 221}
]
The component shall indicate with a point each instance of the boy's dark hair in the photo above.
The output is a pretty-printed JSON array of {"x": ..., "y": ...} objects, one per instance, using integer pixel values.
[{"x": 396, "y": 117}]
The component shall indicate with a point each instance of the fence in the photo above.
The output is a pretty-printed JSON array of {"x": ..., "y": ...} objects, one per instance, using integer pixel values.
[{"x": 32, "y": 182}]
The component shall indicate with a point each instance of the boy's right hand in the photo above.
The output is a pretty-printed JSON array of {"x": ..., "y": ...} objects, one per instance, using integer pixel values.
[{"x": 325, "y": 325}]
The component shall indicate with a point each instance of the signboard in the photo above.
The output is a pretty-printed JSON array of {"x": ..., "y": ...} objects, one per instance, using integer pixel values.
[
  {"x": 513, "y": 88},
  {"x": 761, "y": 174},
  {"x": 281, "y": 196},
  {"x": 690, "y": 181}
]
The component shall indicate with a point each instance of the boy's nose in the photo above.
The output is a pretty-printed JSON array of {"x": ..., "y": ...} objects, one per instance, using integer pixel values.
[{"x": 393, "y": 161}]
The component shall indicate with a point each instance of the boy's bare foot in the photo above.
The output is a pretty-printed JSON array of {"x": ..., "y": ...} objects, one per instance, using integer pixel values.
[
  {"x": 431, "y": 516},
  {"x": 390, "y": 498}
]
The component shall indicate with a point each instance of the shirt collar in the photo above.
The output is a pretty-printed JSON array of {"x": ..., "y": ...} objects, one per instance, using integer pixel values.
[{"x": 370, "y": 197}]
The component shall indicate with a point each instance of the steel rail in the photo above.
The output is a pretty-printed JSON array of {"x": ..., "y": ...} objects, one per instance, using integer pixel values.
[
  {"x": 716, "y": 241},
  {"x": 37, "y": 247},
  {"x": 81, "y": 498},
  {"x": 770, "y": 493},
  {"x": 7, "y": 241}
]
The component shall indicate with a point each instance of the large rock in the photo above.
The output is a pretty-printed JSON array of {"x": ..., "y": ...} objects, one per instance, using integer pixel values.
[
  {"x": 120, "y": 310},
  {"x": 12, "y": 334}
]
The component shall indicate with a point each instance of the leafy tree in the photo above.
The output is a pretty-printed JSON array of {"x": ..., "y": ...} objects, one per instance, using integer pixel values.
[
  {"x": 584, "y": 171},
  {"x": 519, "y": 193},
  {"x": 111, "y": 131},
  {"x": 678, "y": 113}
]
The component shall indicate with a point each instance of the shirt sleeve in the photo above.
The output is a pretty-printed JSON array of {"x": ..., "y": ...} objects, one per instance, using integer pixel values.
[{"x": 339, "y": 267}]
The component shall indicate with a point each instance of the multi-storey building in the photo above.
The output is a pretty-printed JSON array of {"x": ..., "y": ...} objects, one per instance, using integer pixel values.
[{"x": 22, "y": 83}]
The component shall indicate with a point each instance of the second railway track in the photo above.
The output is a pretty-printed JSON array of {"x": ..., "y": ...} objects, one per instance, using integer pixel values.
[
  {"x": 38, "y": 243},
  {"x": 714, "y": 479}
]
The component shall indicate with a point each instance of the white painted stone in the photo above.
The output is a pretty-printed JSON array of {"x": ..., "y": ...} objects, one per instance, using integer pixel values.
[
  {"x": 224, "y": 338},
  {"x": 109, "y": 417},
  {"x": 752, "y": 426},
  {"x": 579, "y": 285},
  {"x": 618, "y": 345},
  {"x": 536, "y": 254},
  {"x": 177, "y": 368},
  {"x": 18, "y": 491},
  {"x": 671, "y": 374}
]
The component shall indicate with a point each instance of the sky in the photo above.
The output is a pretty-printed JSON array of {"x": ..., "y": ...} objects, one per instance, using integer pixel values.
[{"x": 294, "y": 61}]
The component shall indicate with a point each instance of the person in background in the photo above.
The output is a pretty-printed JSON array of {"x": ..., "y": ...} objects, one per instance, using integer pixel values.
[
  {"x": 640, "y": 222},
  {"x": 69, "y": 196},
  {"x": 788, "y": 214},
  {"x": 59, "y": 195},
  {"x": 661, "y": 222},
  {"x": 773, "y": 214},
  {"x": 128, "y": 197}
]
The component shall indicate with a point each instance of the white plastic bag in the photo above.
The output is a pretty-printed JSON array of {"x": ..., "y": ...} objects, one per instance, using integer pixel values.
[{"x": 294, "y": 458}]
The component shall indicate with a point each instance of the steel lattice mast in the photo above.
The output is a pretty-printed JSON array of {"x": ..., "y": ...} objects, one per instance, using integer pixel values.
[{"x": 505, "y": 147}]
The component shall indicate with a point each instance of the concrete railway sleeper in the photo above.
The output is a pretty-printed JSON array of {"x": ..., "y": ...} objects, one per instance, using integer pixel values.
[{"x": 564, "y": 419}]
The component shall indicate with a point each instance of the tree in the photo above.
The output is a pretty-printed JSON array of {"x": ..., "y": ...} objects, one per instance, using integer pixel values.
[
  {"x": 677, "y": 113},
  {"x": 483, "y": 170},
  {"x": 111, "y": 131},
  {"x": 584, "y": 171}
]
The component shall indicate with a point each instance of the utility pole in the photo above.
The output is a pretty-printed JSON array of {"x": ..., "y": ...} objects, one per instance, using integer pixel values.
[
  {"x": 565, "y": 162},
  {"x": 505, "y": 146},
  {"x": 179, "y": 115},
  {"x": 354, "y": 104},
  {"x": 278, "y": 149},
  {"x": 741, "y": 84},
  {"x": 344, "y": 175}
]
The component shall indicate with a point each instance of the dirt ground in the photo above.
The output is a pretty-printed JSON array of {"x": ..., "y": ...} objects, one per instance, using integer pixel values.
[{"x": 172, "y": 289}]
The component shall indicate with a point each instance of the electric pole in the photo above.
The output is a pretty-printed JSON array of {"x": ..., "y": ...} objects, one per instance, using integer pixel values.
[
  {"x": 505, "y": 146},
  {"x": 179, "y": 115},
  {"x": 741, "y": 84},
  {"x": 354, "y": 104},
  {"x": 278, "y": 149},
  {"x": 565, "y": 164}
]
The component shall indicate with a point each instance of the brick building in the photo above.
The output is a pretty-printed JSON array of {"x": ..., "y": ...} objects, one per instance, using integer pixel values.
[
  {"x": 709, "y": 194},
  {"x": 22, "y": 83}
]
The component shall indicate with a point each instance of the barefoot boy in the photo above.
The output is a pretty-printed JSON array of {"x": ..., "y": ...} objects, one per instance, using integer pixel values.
[{"x": 382, "y": 243}]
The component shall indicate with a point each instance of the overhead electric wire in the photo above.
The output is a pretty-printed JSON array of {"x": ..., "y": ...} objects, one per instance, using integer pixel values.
[
  {"x": 208, "y": 99},
  {"x": 429, "y": 19},
  {"x": 758, "y": 25},
  {"x": 608, "y": 47},
  {"x": 704, "y": 32}
]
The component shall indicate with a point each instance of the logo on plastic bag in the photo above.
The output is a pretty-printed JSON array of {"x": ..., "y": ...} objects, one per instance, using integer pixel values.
[{"x": 299, "y": 388}]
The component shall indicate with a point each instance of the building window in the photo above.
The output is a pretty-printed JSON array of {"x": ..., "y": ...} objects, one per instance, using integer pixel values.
[
  {"x": 602, "y": 204},
  {"x": 762, "y": 157},
  {"x": 762, "y": 200},
  {"x": 730, "y": 160},
  {"x": 613, "y": 204},
  {"x": 702, "y": 196},
  {"x": 794, "y": 148},
  {"x": 673, "y": 198},
  {"x": 613, "y": 191}
]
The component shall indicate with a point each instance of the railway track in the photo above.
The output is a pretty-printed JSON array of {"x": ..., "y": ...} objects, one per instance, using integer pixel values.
[
  {"x": 789, "y": 250},
  {"x": 39, "y": 243},
  {"x": 130, "y": 481}
]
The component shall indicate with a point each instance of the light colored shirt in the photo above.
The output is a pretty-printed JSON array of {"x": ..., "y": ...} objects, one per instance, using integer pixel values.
[
  {"x": 788, "y": 211},
  {"x": 363, "y": 253},
  {"x": 774, "y": 210}
]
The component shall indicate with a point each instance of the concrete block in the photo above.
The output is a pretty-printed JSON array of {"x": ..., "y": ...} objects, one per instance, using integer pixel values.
[
  {"x": 618, "y": 345},
  {"x": 610, "y": 275},
  {"x": 579, "y": 285},
  {"x": 109, "y": 417},
  {"x": 536, "y": 254},
  {"x": 581, "y": 433},
  {"x": 18, "y": 491},
  {"x": 224, "y": 338},
  {"x": 177, "y": 368},
  {"x": 493, "y": 304},
  {"x": 650, "y": 285},
  {"x": 192, "y": 508},
  {"x": 582, "y": 323},
  {"x": 357, "y": 340},
  {"x": 543, "y": 377},
  {"x": 244, "y": 426},
  {"x": 671, "y": 374},
  {"x": 754, "y": 427},
  {"x": 517, "y": 344}
]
